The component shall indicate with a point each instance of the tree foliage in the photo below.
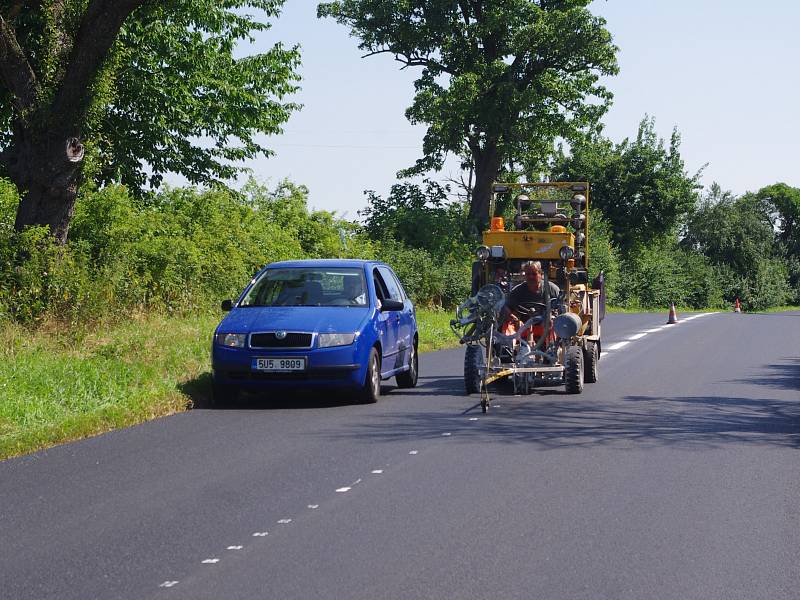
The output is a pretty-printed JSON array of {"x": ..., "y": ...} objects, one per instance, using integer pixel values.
[
  {"x": 500, "y": 80},
  {"x": 641, "y": 186},
  {"x": 133, "y": 90},
  {"x": 421, "y": 216}
]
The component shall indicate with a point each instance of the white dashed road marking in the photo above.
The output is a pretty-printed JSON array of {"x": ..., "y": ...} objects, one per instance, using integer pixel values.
[
  {"x": 284, "y": 521},
  {"x": 413, "y": 452},
  {"x": 235, "y": 547},
  {"x": 342, "y": 490},
  {"x": 260, "y": 534},
  {"x": 473, "y": 418},
  {"x": 168, "y": 584},
  {"x": 617, "y": 346},
  {"x": 638, "y": 336},
  {"x": 313, "y": 506},
  {"x": 377, "y": 471},
  {"x": 446, "y": 434},
  {"x": 210, "y": 561}
]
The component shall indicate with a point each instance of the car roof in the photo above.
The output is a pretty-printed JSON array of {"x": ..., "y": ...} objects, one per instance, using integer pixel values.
[{"x": 324, "y": 262}]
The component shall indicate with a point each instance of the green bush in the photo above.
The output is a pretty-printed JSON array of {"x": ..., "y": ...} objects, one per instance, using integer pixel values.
[
  {"x": 657, "y": 275},
  {"x": 179, "y": 250}
]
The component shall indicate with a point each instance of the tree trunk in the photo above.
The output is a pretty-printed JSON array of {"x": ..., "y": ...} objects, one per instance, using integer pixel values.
[
  {"x": 47, "y": 172},
  {"x": 487, "y": 165}
]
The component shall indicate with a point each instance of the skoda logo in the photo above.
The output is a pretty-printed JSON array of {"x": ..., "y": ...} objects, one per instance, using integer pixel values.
[{"x": 281, "y": 335}]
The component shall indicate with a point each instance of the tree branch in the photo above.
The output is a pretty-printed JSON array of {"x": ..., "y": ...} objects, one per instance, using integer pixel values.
[
  {"x": 412, "y": 61},
  {"x": 15, "y": 70},
  {"x": 97, "y": 32}
]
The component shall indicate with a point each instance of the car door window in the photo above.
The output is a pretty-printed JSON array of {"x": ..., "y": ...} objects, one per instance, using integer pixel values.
[
  {"x": 392, "y": 285},
  {"x": 380, "y": 287}
]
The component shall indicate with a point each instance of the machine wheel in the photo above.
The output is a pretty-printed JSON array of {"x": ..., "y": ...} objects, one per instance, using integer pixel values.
[
  {"x": 473, "y": 361},
  {"x": 590, "y": 360},
  {"x": 573, "y": 370},
  {"x": 408, "y": 379},
  {"x": 371, "y": 390},
  {"x": 223, "y": 394}
]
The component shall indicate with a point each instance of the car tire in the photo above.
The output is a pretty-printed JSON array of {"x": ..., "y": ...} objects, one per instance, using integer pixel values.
[
  {"x": 408, "y": 379},
  {"x": 222, "y": 395},
  {"x": 573, "y": 370},
  {"x": 371, "y": 390},
  {"x": 590, "y": 360},
  {"x": 473, "y": 362}
]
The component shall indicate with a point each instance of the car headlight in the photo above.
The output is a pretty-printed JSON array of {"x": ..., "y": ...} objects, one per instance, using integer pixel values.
[
  {"x": 482, "y": 253},
  {"x": 566, "y": 252},
  {"x": 326, "y": 340},
  {"x": 232, "y": 340}
]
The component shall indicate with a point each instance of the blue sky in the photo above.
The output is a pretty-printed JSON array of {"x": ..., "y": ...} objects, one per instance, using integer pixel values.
[{"x": 724, "y": 72}]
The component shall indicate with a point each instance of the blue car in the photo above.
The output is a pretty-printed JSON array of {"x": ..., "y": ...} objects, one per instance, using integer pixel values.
[{"x": 317, "y": 324}]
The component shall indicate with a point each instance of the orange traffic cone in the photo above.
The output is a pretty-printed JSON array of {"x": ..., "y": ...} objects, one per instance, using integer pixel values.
[
  {"x": 673, "y": 318},
  {"x": 737, "y": 307}
]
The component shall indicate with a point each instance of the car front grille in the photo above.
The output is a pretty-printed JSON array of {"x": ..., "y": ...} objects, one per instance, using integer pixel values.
[{"x": 293, "y": 339}]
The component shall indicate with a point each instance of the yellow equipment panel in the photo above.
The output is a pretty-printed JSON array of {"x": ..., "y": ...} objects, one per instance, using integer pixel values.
[{"x": 529, "y": 244}]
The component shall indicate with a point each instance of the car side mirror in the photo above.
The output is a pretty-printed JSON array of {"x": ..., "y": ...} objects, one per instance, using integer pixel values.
[
  {"x": 391, "y": 305},
  {"x": 227, "y": 305}
]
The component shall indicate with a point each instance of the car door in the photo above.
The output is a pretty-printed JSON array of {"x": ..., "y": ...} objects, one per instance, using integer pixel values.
[
  {"x": 401, "y": 320},
  {"x": 387, "y": 324}
]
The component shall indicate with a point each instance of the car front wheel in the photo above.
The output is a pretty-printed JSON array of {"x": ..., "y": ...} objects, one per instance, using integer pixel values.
[{"x": 371, "y": 390}]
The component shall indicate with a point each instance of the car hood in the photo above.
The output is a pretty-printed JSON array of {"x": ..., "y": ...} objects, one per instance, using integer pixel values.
[{"x": 295, "y": 318}]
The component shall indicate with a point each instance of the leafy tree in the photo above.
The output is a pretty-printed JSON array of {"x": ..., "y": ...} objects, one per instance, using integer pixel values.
[
  {"x": 785, "y": 204},
  {"x": 500, "y": 80},
  {"x": 641, "y": 186},
  {"x": 731, "y": 231},
  {"x": 126, "y": 90},
  {"x": 417, "y": 216}
]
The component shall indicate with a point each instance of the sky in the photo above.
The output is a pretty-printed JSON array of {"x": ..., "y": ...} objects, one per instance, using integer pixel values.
[{"x": 724, "y": 72}]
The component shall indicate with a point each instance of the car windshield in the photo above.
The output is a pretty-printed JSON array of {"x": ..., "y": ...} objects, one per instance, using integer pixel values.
[{"x": 308, "y": 286}]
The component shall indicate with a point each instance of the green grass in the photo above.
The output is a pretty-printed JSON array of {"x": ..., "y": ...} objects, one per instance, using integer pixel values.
[{"x": 59, "y": 385}]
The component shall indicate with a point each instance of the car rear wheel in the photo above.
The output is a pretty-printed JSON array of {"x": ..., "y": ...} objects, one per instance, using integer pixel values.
[
  {"x": 371, "y": 390},
  {"x": 408, "y": 379}
]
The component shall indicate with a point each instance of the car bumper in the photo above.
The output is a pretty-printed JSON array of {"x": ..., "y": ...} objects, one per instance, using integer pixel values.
[{"x": 325, "y": 367}]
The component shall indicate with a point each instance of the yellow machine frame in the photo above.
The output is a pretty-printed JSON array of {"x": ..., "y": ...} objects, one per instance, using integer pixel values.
[{"x": 537, "y": 244}]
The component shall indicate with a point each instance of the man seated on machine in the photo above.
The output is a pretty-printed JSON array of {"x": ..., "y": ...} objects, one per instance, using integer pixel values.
[{"x": 524, "y": 298}]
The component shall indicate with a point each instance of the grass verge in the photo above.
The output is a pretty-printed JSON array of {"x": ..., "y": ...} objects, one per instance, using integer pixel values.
[{"x": 58, "y": 385}]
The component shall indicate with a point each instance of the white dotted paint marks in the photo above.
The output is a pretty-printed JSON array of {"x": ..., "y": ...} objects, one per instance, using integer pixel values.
[
  {"x": 356, "y": 482},
  {"x": 448, "y": 434},
  {"x": 617, "y": 346},
  {"x": 313, "y": 506},
  {"x": 638, "y": 336},
  {"x": 377, "y": 471},
  {"x": 210, "y": 561},
  {"x": 284, "y": 521},
  {"x": 413, "y": 452},
  {"x": 261, "y": 534},
  {"x": 168, "y": 584},
  {"x": 235, "y": 547},
  {"x": 342, "y": 490}
]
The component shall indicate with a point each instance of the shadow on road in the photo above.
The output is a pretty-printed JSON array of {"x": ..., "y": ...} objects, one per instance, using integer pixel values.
[
  {"x": 784, "y": 375},
  {"x": 695, "y": 422},
  {"x": 198, "y": 391}
]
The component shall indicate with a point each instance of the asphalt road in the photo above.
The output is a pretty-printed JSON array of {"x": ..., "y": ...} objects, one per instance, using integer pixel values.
[{"x": 673, "y": 477}]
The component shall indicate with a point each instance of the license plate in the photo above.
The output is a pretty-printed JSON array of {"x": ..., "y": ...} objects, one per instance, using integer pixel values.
[{"x": 279, "y": 364}]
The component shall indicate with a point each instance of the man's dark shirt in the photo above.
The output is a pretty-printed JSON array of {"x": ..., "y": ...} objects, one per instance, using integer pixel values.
[{"x": 521, "y": 297}]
